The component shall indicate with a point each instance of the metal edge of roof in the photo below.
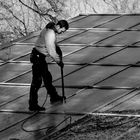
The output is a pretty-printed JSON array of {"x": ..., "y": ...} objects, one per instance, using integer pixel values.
[{"x": 119, "y": 14}]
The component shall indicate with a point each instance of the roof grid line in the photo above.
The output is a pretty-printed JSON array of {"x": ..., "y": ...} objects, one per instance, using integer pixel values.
[
  {"x": 14, "y": 77},
  {"x": 98, "y": 87},
  {"x": 111, "y": 114},
  {"x": 21, "y": 62},
  {"x": 72, "y": 63},
  {"x": 13, "y": 84},
  {"x": 102, "y": 64},
  {"x": 104, "y": 29},
  {"x": 114, "y": 46},
  {"x": 72, "y": 86},
  {"x": 81, "y": 44},
  {"x": 100, "y": 45},
  {"x": 119, "y": 14}
]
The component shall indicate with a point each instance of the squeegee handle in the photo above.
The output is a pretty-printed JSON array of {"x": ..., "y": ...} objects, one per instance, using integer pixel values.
[{"x": 62, "y": 79}]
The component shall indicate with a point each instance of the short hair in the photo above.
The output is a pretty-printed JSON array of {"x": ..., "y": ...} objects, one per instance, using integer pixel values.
[
  {"x": 63, "y": 23},
  {"x": 50, "y": 25}
]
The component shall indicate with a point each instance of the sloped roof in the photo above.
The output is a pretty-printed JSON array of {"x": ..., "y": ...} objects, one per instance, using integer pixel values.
[{"x": 102, "y": 73}]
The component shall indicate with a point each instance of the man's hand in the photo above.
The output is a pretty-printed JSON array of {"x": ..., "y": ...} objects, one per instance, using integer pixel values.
[
  {"x": 61, "y": 64},
  {"x": 59, "y": 52}
]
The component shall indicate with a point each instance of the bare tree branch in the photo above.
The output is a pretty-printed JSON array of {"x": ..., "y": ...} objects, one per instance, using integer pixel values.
[
  {"x": 10, "y": 11},
  {"x": 38, "y": 11}
]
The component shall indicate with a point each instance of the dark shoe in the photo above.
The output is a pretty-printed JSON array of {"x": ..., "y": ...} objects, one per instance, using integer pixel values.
[
  {"x": 57, "y": 99},
  {"x": 36, "y": 108}
]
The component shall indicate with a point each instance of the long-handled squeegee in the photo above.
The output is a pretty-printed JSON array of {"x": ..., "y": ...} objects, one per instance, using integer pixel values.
[{"x": 63, "y": 92}]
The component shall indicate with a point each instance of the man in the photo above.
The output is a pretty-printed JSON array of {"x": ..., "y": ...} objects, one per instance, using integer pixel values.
[{"x": 45, "y": 45}]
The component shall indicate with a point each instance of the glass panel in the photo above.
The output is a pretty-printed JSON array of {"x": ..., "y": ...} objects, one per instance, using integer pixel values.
[
  {"x": 15, "y": 51},
  {"x": 8, "y": 93},
  {"x": 89, "y": 75},
  {"x": 127, "y": 56},
  {"x": 122, "y": 22},
  {"x": 89, "y": 54},
  {"x": 91, "y": 21},
  {"x": 127, "y": 78},
  {"x": 10, "y": 70},
  {"x": 88, "y": 37},
  {"x": 124, "y": 38}
]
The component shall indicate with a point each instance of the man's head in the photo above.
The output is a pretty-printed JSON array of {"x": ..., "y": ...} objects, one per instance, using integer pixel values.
[{"x": 62, "y": 26}]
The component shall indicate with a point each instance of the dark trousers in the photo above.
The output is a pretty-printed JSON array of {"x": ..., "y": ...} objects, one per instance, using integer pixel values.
[{"x": 40, "y": 72}]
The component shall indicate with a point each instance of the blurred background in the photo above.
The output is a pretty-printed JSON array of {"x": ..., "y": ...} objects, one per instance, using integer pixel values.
[{"x": 19, "y": 18}]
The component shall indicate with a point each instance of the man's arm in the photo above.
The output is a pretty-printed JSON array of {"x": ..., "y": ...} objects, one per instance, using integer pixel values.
[
  {"x": 50, "y": 40},
  {"x": 59, "y": 52}
]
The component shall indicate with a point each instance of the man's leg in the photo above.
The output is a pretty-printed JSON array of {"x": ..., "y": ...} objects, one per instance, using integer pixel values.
[
  {"x": 35, "y": 85},
  {"x": 47, "y": 78}
]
